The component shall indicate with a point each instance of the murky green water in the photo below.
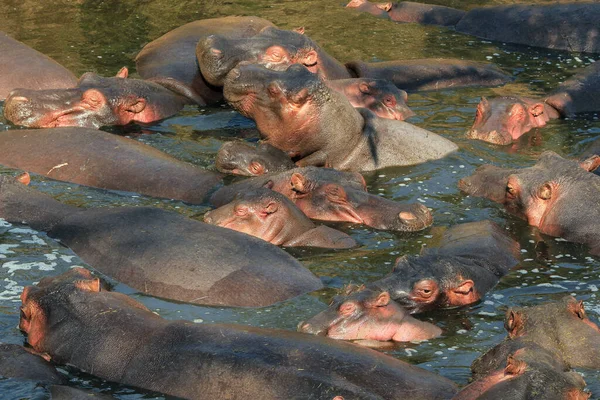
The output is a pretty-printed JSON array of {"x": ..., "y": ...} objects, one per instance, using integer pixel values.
[{"x": 102, "y": 36}]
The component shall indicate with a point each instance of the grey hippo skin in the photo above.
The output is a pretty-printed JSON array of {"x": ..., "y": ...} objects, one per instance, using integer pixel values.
[
  {"x": 241, "y": 158},
  {"x": 408, "y": 11},
  {"x": 172, "y": 57},
  {"x": 95, "y": 102},
  {"x": 162, "y": 253},
  {"x": 23, "y": 67},
  {"x": 556, "y": 195},
  {"x": 103, "y": 160},
  {"x": 468, "y": 262},
  {"x": 273, "y": 217},
  {"x": 330, "y": 195},
  {"x": 501, "y": 120},
  {"x": 118, "y": 339},
  {"x": 295, "y": 112}
]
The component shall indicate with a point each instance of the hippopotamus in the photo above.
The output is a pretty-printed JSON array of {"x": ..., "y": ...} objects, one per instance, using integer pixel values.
[
  {"x": 19, "y": 363},
  {"x": 172, "y": 57},
  {"x": 329, "y": 195},
  {"x": 74, "y": 322},
  {"x": 100, "y": 159},
  {"x": 96, "y": 101},
  {"x": 378, "y": 95},
  {"x": 467, "y": 263},
  {"x": 545, "y": 195},
  {"x": 561, "y": 328},
  {"x": 241, "y": 158},
  {"x": 408, "y": 11},
  {"x": 163, "y": 253},
  {"x": 294, "y": 110},
  {"x": 21, "y": 66},
  {"x": 277, "y": 49},
  {"x": 529, "y": 372},
  {"x": 501, "y": 120},
  {"x": 273, "y": 217},
  {"x": 369, "y": 315}
]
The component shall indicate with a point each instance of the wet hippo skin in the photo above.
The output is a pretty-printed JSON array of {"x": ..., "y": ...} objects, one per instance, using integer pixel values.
[
  {"x": 118, "y": 339},
  {"x": 23, "y": 67},
  {"x": 100, "y": 159},
  {"x": 241, "y": 158},
  {"x": 408, "y": 11},
  {"x": 162, "y": 253}
]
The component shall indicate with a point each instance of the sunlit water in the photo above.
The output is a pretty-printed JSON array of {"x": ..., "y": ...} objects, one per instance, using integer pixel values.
[{"x": 102, "y": 36}]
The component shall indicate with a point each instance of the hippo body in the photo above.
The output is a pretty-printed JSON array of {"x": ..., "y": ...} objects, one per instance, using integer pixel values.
[
  {"x": 293, "y": 110},
  {"x": 545, "y": 195},
  {"x": 163, "y": 253},
  {"x": 173, "y": 57},
  {"x": 118, "y": 339},
  {"x": 96, "y": 101},
  {"x": 23, "y": 67},
  {"x": 100, "y": 159},
  {"x": 16, "y": 362}
]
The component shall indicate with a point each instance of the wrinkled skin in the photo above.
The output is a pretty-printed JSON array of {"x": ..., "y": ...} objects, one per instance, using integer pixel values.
[
  {"x": 377, "y": 95},
  {"x": 103, "y": 160},
  {"x": 162, "y": 253},
  {"x": 95, "y": 102},
  {"x": 556, "y": 195},
  {"x": 368, "y": 315},
  {"x": 26, "y": 68},
  {"x": 241, "y": 158},
  {"x": 528, "y": 373},
  {"x": 273, "y": 217},
  {"x": 408, "y": 11},
  {"x": 329, "y": 195},
  {"x": 561, "y": 328},
  {"x": 76, "y": 324},
  {"x": 294, "y": 110},
  {"x": 468, "y": 262},
  {"x": 502, "y": 120}
]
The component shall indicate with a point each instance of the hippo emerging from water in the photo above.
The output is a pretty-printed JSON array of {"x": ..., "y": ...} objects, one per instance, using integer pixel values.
[{"x": 296, "y": 112}]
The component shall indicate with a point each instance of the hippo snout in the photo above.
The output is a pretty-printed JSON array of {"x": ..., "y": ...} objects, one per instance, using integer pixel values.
[
  {"x": 306, "y": 327},
  {"x": 208, "y": 218},
  {"x": 17, "y": 108},
  {"x": 417, "y": 217}
]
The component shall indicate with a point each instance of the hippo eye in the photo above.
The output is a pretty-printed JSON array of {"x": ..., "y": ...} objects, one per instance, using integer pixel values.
[
  {"x": 425, "y": 292},
  {"x": 256, "y": 168},
  {"x": 389, "y": 101},
  {"x": 347, "y": 308},
  {"x": 241, "y": 211},
  {"x": 579, "y": 310},
  {"x": 511, "y": 192}
]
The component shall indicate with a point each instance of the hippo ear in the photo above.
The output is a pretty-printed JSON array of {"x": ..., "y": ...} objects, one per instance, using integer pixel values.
[
  {"x": 299, "y": 183},
  {"x": 545, "y": 191},
  {"x": 385, "y": 6},
  {"x": 270, "y": 208},
  {"x": 514, "y": 366},
  {"x": 382, "y": 300},
  {"x": 513, "y": 323},
  {"x": 27, "y": 291},
  {"x": 123, "y": 73},
  {"x": 364, "y": 88},
  {"x": 23, "y": 178},
  {"x": 135, "y": 106},
  {"x": 299, "y": 30},
  {"x": 88, "y": 285},
  {"x": 465, "y": 287},
  {"x": 94, "y": 98},
  {"x": 591, "y": 163}
]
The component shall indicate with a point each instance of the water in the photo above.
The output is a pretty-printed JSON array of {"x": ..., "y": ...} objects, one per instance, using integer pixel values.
[{"x": 103, "y": 36}]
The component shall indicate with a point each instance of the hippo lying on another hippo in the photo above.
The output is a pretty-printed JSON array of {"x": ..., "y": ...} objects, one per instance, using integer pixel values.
[
  {"x": 241, "y": 158},
  {"x": 330, "y": 195},
  {"x": 501, "y": 120},
  {"x": 273, "y": 217},
  {"x": 118, "y": 339},
  {"x": 95, "y": 102},
  {"x": 100, "y": 159},
  {"x": 163, "y": 253},
  {"x": 23, "y": 67},
  {"x": 556, "y": 195},
  {"x": 296, "y": 112}
]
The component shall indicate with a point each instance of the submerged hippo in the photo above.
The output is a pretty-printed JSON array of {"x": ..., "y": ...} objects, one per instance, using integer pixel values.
[
  {"x": 369, "y": 315},
  {"x": 100, "y": 159},
  {"x": 294, "y": 110},
  {"x": 330, "y": 195},
  {"x": 23, "y": 67},
  {"x": 501, "y": 120},
  {"x": 468, "y": 262},
  {"x": 241, "y": 158},
  {"x": 555, "y": 195},
  {"x": 277, "y": 49},
  {"x": 273, "y": 217},
  {"x": 95, "y": 101},
  {"x": 408, "y": 11},
  {"x": 74, "y": 322},
  {"x": 163, "y": 253}
]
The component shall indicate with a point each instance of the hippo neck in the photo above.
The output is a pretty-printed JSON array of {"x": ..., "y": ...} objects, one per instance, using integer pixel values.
[
  {"x": 20, "y": 204},
  {"x": 329, "y": 68},
  {"x": 287, "y": 228}
]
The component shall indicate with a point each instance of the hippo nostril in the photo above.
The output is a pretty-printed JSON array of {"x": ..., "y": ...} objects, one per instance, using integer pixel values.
[
  {"x": 407, "y": 216},
  {"x": 208, "y": 218},
  {"x": 303, "y": 326},
  {"x": 216, "y": 53},
  {"x": 19, "y": 99}
]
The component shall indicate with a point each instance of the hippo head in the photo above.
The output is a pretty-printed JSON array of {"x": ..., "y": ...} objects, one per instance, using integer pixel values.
[
  {"x": 501, "y": 120},
  {"x": 286, "y": 105},
  {"x": 273, "y": 48},
  {"x": 368, "y": 315},
  {"x": 96, "y": 101},
  {"x": 376, "y": 9},
  {"x": 262, "y": 213},
  {"x": 378, "y": 95},
  {"x": 333, "y": 201},
  {"x": 240, "y": 158},
  {"x": 488, "y": 181}
]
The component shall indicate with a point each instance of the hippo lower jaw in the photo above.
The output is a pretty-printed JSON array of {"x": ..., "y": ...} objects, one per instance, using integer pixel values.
[
  {"x": 494, "y": 137},
  {"x": 410, "y": 219}
]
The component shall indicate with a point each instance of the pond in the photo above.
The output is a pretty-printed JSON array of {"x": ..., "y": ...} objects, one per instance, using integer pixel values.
[{"x": 103, "y": 36}]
